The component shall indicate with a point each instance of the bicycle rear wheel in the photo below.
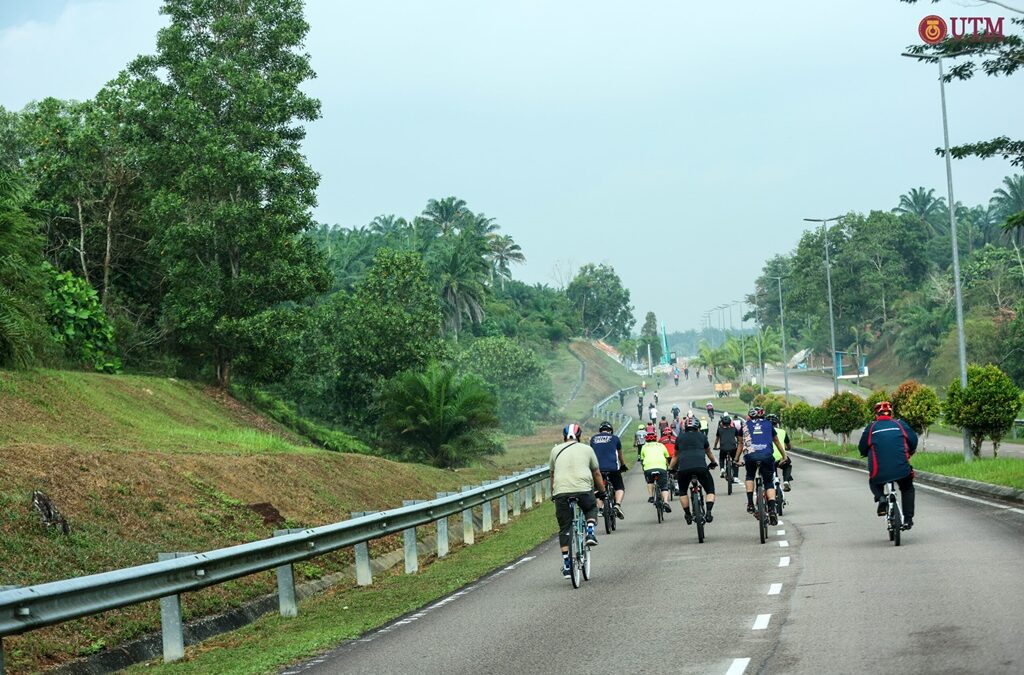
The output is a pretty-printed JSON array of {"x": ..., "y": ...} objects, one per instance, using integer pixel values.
[
  {"x": 575, "y": 546},
  {"x": 697, "y": 504},
  {"x": 659, "y": 506},
  {"x": 609, "y": 517},
  {"x": 896, "y": 524},
  {"x": 585, "y": 567},
  {"x": 728, "y": 476},
  {"x": 761, "y": 510},
  {"x": 779, "y": 500}
]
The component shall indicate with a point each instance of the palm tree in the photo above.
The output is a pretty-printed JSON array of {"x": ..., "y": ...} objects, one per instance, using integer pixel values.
[
  {"x": 504, "y": 251},
  {"x": 388, "y": 225},
  {"x": 446, "y": 213},
  {"x": 460, "y": 272},
  {"x": 923, "y": 204},
  {"x": 1008, "y": 203},
  {"x": 442, "y": 419}
]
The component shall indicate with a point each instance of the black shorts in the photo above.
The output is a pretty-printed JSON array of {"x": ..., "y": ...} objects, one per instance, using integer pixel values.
[
  {"x": 662, "y": 477},
  {"x": 614, "y": 478},
  {"x": 563, "y": 512},
  {"x": 767, "y": 469},
  {"x": 684, "y": 477}
]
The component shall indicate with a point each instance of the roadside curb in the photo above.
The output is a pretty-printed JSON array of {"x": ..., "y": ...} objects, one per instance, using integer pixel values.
[{"x": 960, "y": 485}]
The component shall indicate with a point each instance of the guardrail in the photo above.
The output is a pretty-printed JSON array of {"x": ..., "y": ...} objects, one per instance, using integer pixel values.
[
  {"x": 600, "y": 408},
  {"x": 24, "y": 609}
]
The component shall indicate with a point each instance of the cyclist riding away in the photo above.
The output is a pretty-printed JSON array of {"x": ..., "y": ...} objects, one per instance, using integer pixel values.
[
  {"x": 655, "y": 397},
  {"x": 691, "y": 449},
  {"x": 758, "y": 438},
  {"x": 710, "y": 407},
  {"x": 652, "y": 412},
  {"x": 675, "y": 412},
  {"x": 662, "y": 425},
  {"x": 608, "y": 448},
  {"x": 787, "y": 466},
  {"x": 888, "y": 444},
  {"x": 638, "y": 439},
  {"x": 704, "y": 425},
  {"x": 574, "y": 474},
  {"x": 654, "y": 458},
  {"x": 726, "y": 440}
]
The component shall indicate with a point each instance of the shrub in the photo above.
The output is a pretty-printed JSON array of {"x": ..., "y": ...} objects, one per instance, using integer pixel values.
[
  {"x": 844, "y": 412},
  {"x": 987, "y": 407},
  {"x": 921, "y": 409},
  {"x": 772, "y": 403},
  {"x": 876, "y": 396},
  {"x": 800, "y": 415},
  {"x": 902, "y": 394},
  {"x": 79, "y": 323},
  {"x": 747, "y": 393}
]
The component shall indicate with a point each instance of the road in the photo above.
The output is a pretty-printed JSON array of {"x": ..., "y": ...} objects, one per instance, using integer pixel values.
[{"x": 827, "y": 594}]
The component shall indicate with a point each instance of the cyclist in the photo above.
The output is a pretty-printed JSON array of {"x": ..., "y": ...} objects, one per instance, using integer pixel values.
[
  {"x": 652, "y": 412},
  {"x": 654, "y": 458},
  {"x": 758, "y": 438},
  {"x": 726, "y": 440},
  {"x": 643, "y": 386},
  {"x": 704, "y": 425},
  {"x": 608, "y": 448},
  {"x": 675, "y": 412},
  {"x": 787, "y": 466},
  {"x": 888, "y": 444},
  {"x": 675, "y": 375},
  {"x": 668, "y": 439},
  {"x": 638, "y": 439},
  {"x": 662, "y": 425},
  {"x": 691, "y": 449},
  {"x": 686, "y": 372},
  {"x": 655, "y": 397},
  {"x": 574, "y": 473},
  {"x": 710, "y": 407}
]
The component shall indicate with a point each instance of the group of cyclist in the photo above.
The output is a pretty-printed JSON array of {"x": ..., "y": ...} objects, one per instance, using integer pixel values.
[{"x": 681, "y": 451}]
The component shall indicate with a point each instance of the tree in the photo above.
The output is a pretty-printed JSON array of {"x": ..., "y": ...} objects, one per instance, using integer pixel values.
[
  {"x": 923, "y": 205},
  {"x": 441, "y": 418},
  {"x": 600, "y": 302},
  {"x": 649, "y": 338},
  {"x": 986, "y": 408},
  {"x": 902, "y": 394},
  {"x": 504, "y": 252},
  {"x": 445, "y": 214},
  {"x": 876, "y": 396},
  {"x": 921, "y": 409},
  {"x": 747, "y": 393},
  {"x": 460, "y": 271},
  {"x": 516, "y": 378},
  {"x": 799, "y": 415},
  {"x": 844, "y": 412},
  {"x": 233, "y": 191},
  {"x": 79, "y": 323}
]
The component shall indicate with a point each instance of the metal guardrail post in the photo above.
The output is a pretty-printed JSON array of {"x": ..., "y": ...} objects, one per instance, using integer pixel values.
[
  {"x": 468, "y": 535},
  {"x": 487, "y": 514},
  {"x": 442, "y": 531},
  {"x": 538, "y": 490},
  {"x": 412, "y": 560},
  {"x": 527, "y": 496},
  {"x": 503, "y": 505},
  {"x": 517, "y": 499},
  {"x": 171, "y": 627},
  {"x": 364, "y": 575},
  {"x": 287, "y": 603}
]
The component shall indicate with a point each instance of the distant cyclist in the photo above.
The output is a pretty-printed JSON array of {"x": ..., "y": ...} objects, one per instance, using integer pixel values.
[
  {"x": 710, "y": 407},
  {"x": 608, "y": 448},
  {"x": 888, "y": 444},
  {"x": 574, "y": 474},
  {"x": 662, "y": 425},
  {"x": 675, "y": 411},
  {"x": 726, "y": 440},
  {"x": 638, "y": 438},
  {"x": 787, "y": 466},
  {"x": 704, "y": 425},
  {"x": 652, "y": 412},
  {"x": 691, "y": 449},
  {"x": 654, "y": 458},
  {"x": 758, "y": 438},
  {"x": 655, "y": 397}
]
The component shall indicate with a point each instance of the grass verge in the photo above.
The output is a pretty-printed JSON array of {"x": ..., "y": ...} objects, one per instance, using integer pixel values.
[
  {"x": 341, "y": 614},
  {"x": 1008, "y": 471}
]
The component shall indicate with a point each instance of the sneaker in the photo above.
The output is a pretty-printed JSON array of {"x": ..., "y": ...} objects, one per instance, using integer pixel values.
[
  {"x": 881, "y": 509},
  {"x": 566, "y": 570},
  {"x": 785, "y": 486},
  {"x": 708, "y": 517},
  {"x": 666, "y": 508},
  {"x": 750, "y": 508},
  {"x": 773, "y": 518},
  {"x": 591, "y": 538},
  {"x": 722, "y": 474},
  {"x": 907, "y": 523},
  {"x": 600, "y": 512},
  {"x": 650, "y": 500},
  {"x": 618, "y": 512},
  {"x": 689, "y": 518}
]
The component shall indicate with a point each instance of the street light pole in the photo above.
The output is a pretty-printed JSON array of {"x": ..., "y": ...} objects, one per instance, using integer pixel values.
[
  {"x": 957, "y": 295},
  {"x": 743, "y": 351},
  {"x": 831, "y": 313},
  {"x": 782, "y": 322}
]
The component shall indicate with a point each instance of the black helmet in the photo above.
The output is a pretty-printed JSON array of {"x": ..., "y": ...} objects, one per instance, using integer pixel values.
[
  {"x": 606, "y": 426},
  {"x": 691, "y": 423},
  {"x": 726, "y": 420},
  {"x": 773, "y": 418}
]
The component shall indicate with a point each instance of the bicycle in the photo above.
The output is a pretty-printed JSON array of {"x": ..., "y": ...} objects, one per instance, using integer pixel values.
[
  {"x": 730, "y": 472},
  {"x": 659, "y": 503},
  {"x": 607, "y": 509},
  {"x": 697, "y": 507},
  {"x": 893, "y": 516},
  {"x": 579, "y": 552},
  {"x": 780, "y": 499},
  {"x": 760, "y": 503}
]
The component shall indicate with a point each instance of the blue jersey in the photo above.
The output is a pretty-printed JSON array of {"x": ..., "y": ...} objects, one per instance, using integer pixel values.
[
  {"x": 757, "y": 437},
  {"x": 606, "y": 447}
]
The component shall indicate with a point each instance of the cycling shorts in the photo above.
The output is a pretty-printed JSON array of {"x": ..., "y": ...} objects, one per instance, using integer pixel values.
[
  {"x": 662, "y": 477},
  {"x": 767, "y": 468},
  {"x": 683, "y": 479},
  {"x": 613, "y": 478}
]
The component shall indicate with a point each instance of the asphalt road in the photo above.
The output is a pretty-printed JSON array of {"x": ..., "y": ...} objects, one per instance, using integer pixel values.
[{"x": 827, "y": 594}]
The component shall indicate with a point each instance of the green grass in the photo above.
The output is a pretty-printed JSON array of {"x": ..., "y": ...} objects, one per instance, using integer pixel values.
[
  {"x": 341, "y": 614},
  {"x": 1008, "y": 471}
]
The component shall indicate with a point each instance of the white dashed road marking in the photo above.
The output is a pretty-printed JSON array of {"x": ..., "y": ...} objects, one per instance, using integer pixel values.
[
  {"x": 784, "y": 544},
  {"x": 775, "y": 589},
  {"x": 784, "y": 561},
  {"x": 761, "y": 622},
  {"x": 737, "y": 667}
]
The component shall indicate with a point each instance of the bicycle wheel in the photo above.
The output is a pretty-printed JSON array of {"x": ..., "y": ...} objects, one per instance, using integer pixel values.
[
  {"x": 609, "y": 517},
  {"x": 575, "y": 547},
  {"x": 761, "y": 511},
  {"x": 897, "y": 524},
  {"x": 728, "y": 476},
  {"x": 614, "y": 519},
  {"x": 659, "y": 506},
  {"x": 585, "y": 567},
  {"x": 697, "y": 504},
  {"x": 779, "y": 500}
]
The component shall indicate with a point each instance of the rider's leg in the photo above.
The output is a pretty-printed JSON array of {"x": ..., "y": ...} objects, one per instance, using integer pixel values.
[
  {"x": 907, "y": 497},
  {"x": 563, "y": 513},
  {"x": 878, "y": 490},
  {"x": 750, "y": 486}
]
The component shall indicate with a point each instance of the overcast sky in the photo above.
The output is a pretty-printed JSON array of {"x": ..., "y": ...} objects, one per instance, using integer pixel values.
[{"x": 682, "y": 142}]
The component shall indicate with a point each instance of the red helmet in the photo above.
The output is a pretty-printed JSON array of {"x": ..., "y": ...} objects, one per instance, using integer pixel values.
[
  {"x": 883, "y": 409},
  {"x": 651, "y": 436}
]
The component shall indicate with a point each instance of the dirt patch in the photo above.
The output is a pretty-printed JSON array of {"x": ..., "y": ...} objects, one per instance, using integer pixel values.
[{"x": 267, "y": 511}]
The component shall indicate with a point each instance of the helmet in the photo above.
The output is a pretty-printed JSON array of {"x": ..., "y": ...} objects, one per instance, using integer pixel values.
[
  {"x": 641, "y": 426},
  {"x": 571, "y": 430},
  {"x": 773, "y": 418},
  {"x": 726, "y": 420},
  {"x": 691, "y": 423},
  {"x": 883, "y": 408},
  {"x": 651, "y": 436},
  {"x": 606, "y": 426},
  {"x": 756, "y": 413}
]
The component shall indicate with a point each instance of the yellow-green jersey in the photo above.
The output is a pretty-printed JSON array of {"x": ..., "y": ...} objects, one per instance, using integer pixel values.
[
  {"x": 781, "y": 433},
  {"x": 654, "y": 456}
]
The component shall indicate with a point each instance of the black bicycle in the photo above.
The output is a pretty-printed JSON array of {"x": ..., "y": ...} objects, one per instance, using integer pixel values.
[
  {"x": 893, "y": 516},
  {"x": 697, "y": 507},
  {"x": 607, "y": 508},
  {"x": 780, "y": 499},
  {"x": 730, "y": 472},
  {"x": 760, "y": 503},
  {"x": 659, "y": 503}
]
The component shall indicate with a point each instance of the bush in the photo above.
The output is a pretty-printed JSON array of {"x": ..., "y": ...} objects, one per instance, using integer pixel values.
[
  {"x": 800, "y": 415},
  {"x": 986, "y": 408},
  {"x": 902, "y": 394},
  {"x": 515, "y": 376},
  {"x": 921, "y": 409},
  {"x": 844, "y": 412},
  {"x": 773, "y": 404},
  {"x": 747, "y": 393},
  {"x": 79, "y": 323},
  {"x": 877, "y": 396}
]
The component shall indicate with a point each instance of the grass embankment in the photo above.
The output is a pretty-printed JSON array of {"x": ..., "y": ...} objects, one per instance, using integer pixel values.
[
  {"x": 344, "y": 613},
  {"x": 1008, "y": 471}
]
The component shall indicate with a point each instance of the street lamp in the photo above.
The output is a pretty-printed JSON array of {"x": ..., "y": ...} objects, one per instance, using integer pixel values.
[
  {"x": 743, "y": 351},
  {"x": 828, "y": 279},
  {"x": 782, "y": 322},
  {"x": 968, "y": 455}
]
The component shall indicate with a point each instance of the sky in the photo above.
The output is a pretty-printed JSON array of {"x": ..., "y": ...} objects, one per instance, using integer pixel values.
[{"x": 681, "y": 142}]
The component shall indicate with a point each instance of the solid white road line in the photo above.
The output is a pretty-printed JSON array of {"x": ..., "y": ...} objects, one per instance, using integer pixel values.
[
  {"x": 784, "y": 544},
  {"x": 737, "y": 667},
  {"x": 775, "y": 589},
  {"x": 784, "y": 561},
  {"x": 761, "y": 622},
  {"x": 780, "y": 532}
]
